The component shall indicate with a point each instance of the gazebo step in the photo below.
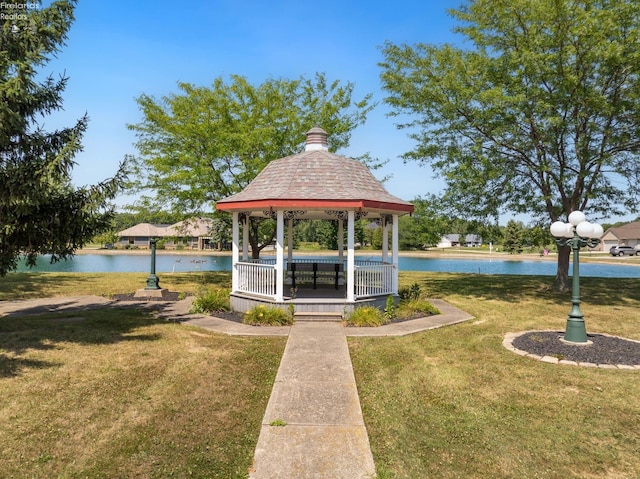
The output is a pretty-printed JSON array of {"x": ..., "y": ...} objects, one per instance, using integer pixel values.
[{"x": 317, "y": 316}]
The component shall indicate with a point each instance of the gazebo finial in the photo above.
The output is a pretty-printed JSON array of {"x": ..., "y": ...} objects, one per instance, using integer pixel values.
[{"x": 316, "y": 140}]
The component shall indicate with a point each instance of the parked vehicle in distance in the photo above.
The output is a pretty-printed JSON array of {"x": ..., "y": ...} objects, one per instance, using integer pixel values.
[{"x": 623, "y": 250}]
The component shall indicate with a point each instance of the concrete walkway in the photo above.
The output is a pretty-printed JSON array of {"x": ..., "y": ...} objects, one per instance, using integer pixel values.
[{"x": 313, "y": 426}]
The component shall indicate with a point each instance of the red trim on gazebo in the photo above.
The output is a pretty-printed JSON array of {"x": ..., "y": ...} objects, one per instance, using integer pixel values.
[{"x": 312, "y": 204}]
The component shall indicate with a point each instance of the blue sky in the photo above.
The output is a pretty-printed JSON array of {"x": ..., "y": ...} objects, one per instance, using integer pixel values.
[{"x": 119, "y": 49}]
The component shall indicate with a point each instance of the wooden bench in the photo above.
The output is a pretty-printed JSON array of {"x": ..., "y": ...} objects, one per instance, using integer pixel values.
[{"x": 315, "y": 271}]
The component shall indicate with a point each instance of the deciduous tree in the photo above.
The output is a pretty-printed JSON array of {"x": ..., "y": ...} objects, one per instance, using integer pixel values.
[
  {"x": 206, "y": 143},
  {"x": 537, "y": 113}
]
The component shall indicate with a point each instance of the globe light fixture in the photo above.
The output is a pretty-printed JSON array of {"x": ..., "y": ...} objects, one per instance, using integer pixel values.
[{"x": 577, "y": 233}]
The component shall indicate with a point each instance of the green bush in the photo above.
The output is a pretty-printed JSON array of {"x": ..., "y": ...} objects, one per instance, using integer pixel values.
[
  {"x": 390, "y": 308},
  {"x": 211, "y": 300},
  {"x": 366, "y": 316},
  {"x": 411, "y": 293},
  {"x": 267, "y": 316},
  {"x": 411, "y": 308}
]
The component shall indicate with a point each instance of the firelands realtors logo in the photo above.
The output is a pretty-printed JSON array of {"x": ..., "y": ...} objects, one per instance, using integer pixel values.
[{"x": 16, "y": 10}]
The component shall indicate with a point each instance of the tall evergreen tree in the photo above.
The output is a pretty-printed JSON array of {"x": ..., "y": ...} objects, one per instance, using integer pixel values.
[
  {"x": 40, "y": 210},
  {"x": 513, "y": 237}
]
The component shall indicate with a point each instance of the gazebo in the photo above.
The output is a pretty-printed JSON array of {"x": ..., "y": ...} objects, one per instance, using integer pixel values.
[{"x": 314, "y": 184}]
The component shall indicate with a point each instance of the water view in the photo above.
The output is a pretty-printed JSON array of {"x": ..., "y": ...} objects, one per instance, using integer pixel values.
[{"x": 167, "y": 263}]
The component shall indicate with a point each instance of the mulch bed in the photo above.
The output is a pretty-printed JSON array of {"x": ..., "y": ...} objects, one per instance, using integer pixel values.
[{"x": 604, "y": 350}]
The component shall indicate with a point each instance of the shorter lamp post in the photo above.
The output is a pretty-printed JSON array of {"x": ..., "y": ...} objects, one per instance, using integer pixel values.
[
  {"x": 577, "y": 233},
  {"x": 153, "y": 281}
]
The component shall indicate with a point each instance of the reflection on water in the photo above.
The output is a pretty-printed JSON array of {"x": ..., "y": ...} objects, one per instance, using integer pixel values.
[{"x": 166, "y": 263}]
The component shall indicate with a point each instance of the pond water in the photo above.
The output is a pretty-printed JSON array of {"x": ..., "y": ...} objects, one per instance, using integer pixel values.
[{"x": 106, "y": 263}]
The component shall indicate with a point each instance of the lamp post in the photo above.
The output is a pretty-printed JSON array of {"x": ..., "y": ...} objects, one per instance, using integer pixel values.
[
  {"x": 153, "y": 282},
  {"x": 577, "y": 233}
]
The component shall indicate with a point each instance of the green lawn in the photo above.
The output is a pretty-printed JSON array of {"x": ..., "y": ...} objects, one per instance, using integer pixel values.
[
  {"x": 41, "y": 285},
  {"x": 453, "y": 403},
  {"x": 121, "y": 394}
]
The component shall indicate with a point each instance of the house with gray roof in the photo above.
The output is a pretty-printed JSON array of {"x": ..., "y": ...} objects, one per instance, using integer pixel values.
[
  {"x": 192, "y": 233},
  {"x": 627, "y": 235}
]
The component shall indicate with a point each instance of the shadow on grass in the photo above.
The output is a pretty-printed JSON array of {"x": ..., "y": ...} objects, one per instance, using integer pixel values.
[
  {"x": 601, "y": 291},
  {"x": 21, "y": 336},
  {"x": 39, "y": 285},
  {"x": 32, "y": 284}
]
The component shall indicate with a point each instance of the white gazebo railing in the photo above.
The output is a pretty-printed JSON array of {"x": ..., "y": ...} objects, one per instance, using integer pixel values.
[
  {"x": 373, "y": 279},
  {"x": 257, "y": 278}
]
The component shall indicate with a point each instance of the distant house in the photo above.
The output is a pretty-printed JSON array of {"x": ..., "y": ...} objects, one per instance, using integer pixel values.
[
  {"x": 192, "y": 233},
  {"x": 141, "y": 234},
  {"x": 449, "y": 241},
  {"x": 628, "y": 235},
  {"x": 453, "y": 240},
  {"x": 473, "y": 241}
]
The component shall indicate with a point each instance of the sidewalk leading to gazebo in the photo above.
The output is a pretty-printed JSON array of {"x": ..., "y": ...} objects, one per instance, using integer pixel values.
[{"x": 313, "y": 425}]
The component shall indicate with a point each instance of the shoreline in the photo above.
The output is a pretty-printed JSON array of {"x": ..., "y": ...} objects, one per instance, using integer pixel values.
[{"x": 586, "y": 256}]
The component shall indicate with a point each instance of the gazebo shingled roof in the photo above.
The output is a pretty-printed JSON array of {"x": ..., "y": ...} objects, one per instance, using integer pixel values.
[{"x": 315, "y": 178}]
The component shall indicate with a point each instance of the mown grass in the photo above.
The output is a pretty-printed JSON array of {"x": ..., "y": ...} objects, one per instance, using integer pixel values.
[
  {"x": 118, "y": 393},
  {"x": 453, "y": 403},
  {"x": 41, "y": 285}
]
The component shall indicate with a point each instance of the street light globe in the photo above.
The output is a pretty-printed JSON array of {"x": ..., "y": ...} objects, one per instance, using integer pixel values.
[
  {"x": 585, "y": 229},
  {"x": 558, "y": 228},
  {"x": 597, "y": 231},
  {"x": 568, "y": 232},
  {"x": 576, "y": 217}
]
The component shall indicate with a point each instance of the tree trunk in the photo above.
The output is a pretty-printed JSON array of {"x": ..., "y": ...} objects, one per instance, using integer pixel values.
[{"x": 561, "y": 282}]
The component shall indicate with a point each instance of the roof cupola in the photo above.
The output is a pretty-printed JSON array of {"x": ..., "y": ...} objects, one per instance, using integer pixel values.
[{"x": 316, "y": 140}]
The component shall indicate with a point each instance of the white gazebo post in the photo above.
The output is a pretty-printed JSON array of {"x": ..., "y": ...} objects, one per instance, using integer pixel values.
[
  {"x": 245, "y": 238},
  {"x": 394, "y": 254},
  {"x": 288, "y": 279},
  {"x": 290, "y": 240},
  {"x": 341, "y": 247},
  {"x": 385, "y": 239},
  {"x": 351, "y": 257},
  {"x": 235, "y": 249},
  {"x": 279, "y": 256}
]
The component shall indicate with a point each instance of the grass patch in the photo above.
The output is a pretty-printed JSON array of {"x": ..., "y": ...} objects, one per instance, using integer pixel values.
[
  {"x": 453, "y": 402},
  {"x": 41, "y": 285},
  {"x": 117, "y": 393}
]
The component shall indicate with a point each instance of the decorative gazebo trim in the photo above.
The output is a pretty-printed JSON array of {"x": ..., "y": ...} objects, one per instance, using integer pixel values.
[{"x": 315, "y": 204}]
